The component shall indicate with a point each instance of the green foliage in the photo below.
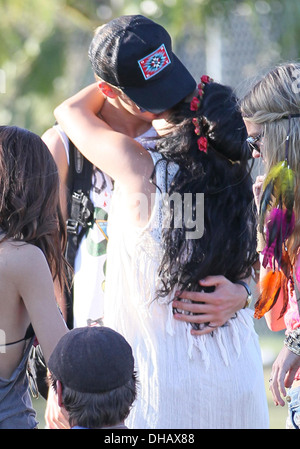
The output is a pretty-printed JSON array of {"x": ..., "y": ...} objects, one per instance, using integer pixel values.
[
  {"x": 46, "y": 66},
  {"x": 43, "y": 43}
]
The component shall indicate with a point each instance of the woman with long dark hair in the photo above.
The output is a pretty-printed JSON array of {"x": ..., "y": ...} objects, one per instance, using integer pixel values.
[
  {"x": 32, "y": 239},
  {"x": 162, "y": 241}
]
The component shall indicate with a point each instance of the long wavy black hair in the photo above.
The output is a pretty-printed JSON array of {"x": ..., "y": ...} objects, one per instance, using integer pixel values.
[
  {"x": 228, "y": 244},
  {"x": 29, "y": 196}
]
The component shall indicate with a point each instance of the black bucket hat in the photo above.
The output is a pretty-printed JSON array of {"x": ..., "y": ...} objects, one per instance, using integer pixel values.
[{"x": 92, "y": 360}]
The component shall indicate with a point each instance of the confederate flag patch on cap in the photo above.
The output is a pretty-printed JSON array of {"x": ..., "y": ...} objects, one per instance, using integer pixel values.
[{"x": 155, "y": 62}]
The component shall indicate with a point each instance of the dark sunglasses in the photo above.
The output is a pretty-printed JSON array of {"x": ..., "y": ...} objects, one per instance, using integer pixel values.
[{"x": 252, "y": 143}]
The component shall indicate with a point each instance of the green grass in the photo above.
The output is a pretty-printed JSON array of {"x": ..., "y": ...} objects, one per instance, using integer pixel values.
[
  {"x": 271, "y": 343},
  {"x": 277, "y": 414}
]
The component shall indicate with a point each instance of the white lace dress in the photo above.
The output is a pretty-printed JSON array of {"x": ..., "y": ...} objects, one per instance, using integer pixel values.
[{"x": 186, "y": 382}]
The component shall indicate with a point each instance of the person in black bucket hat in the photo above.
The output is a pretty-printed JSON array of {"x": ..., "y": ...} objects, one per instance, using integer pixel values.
[
  {"x": 134, "y": 54},
  {"x": 92, "y": 372}
]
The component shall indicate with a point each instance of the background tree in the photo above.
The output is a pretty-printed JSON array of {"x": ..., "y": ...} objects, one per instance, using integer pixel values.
[{"x": 43, "y": 44}]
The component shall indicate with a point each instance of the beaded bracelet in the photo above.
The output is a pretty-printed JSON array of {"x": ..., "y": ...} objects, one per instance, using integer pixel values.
[{"x": 292, "y": 341}]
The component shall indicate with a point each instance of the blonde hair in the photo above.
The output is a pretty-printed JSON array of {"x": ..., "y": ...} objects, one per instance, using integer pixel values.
[{"x": 269, "y": 104}]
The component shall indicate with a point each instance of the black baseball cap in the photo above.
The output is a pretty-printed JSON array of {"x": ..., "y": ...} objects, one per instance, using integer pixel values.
[
  {"x": 92, "y": 360},
  {"x": 134, "y": 54}
]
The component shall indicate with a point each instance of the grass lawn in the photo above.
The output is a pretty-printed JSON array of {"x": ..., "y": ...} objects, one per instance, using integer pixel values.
[
  {"x": 278, "y": 414},
  {"x": 271, "y": 343}
]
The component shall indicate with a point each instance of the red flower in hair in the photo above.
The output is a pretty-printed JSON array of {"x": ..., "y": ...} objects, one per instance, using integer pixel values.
[
  {"x": 197, "y": 126},
  {"x": 195, "y": 103},
  {"x": 205, "y": 79},
  {"x": 202, "y": 144}
]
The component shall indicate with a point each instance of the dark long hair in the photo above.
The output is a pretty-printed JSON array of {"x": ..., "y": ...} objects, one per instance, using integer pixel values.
[
  {"x": 29, "y": 196},
  {"x": 228, "y": 244}
]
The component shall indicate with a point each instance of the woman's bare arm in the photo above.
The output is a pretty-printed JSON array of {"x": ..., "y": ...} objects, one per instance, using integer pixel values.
[
  {"x": 34, "y": 283},
  {"x": 119, "y": 156}
]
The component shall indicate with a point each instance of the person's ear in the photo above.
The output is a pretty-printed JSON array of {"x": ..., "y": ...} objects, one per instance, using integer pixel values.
[
  {"x": 59, "y": 393},
  {"x": 107, "y": 90}
]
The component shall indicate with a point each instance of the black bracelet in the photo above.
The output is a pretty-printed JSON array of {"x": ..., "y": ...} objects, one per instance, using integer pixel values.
[{"x": 249, "y": 293}]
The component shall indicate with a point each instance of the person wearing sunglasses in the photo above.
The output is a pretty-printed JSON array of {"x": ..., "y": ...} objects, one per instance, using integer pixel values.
[
  {"x": 254, "y": 145},
  {"x": 271, "y": 109}
]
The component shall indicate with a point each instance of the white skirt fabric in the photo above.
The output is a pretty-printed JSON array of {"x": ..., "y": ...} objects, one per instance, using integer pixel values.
[
  {"x": 185, "y": 382},
  {"x": 219, "y": 385}
]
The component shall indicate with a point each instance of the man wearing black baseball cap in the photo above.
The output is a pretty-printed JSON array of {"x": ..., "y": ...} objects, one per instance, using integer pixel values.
[
  {"x": 134, "y": 54},
  {"x": 92, "y": 371},
  {"x": 140, "y": 78}
]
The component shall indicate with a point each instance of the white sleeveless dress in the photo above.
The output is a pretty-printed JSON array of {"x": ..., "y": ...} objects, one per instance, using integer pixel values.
[
  {"x": 186, "y": 382},
  {"x": 90, "y": 260}
]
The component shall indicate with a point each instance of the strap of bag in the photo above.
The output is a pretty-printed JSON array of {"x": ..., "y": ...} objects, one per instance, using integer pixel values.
[
  {"x": 80, "y": 207},
  {"x": 80, "y": 211}
]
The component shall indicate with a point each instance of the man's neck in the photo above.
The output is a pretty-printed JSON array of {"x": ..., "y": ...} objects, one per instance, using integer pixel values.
[{"x": 121, "y": 120}]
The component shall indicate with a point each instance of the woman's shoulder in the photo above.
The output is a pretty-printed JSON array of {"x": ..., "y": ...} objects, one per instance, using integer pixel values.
[{"x": 21, "y": 254}]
